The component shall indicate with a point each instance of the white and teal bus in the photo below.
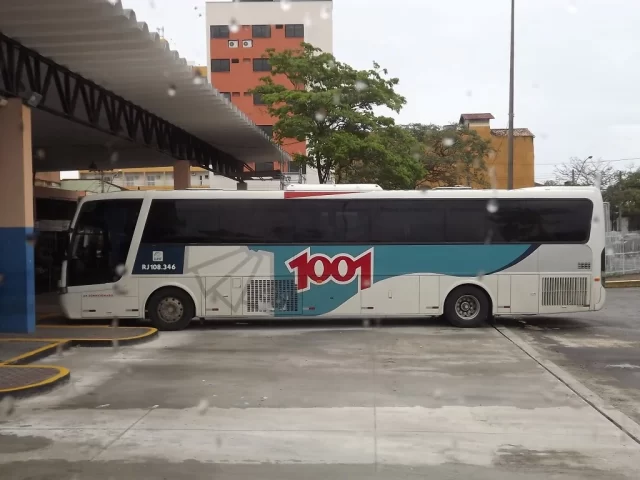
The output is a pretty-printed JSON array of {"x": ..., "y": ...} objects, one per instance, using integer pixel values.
[{"x": 335, "y": 251}]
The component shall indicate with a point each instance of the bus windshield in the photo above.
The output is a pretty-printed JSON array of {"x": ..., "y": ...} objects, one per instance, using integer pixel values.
[{"x": 100, "y": 240}]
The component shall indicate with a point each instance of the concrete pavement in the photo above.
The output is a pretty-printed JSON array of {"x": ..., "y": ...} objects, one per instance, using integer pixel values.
[
  {"x": 339, "y": 401},
  {"x": 602, "y": 349}
]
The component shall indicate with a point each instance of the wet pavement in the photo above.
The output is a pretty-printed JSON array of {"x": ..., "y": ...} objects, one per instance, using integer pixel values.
[
  {"x": 601, "y": 349},
  {"x": 410, "y": 399}
]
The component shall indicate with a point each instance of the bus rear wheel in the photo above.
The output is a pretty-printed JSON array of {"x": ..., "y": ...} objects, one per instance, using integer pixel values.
[
  {"x": 467, "y": 307},
  {"x": 170, "y": 309}
]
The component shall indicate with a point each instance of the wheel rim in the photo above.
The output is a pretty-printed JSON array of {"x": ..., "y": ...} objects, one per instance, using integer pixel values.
[
  {"x": 467, "y": 307},
  {"x": 170, "y": 309}
]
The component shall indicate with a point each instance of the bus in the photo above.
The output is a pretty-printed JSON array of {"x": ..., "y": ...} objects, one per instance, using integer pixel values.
[{"x": 467, "y": 255}]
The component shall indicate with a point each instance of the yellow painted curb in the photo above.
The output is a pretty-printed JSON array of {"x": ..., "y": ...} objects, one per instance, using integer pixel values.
[
  {"x": 621, "y": 283},
  {"x": 62, "y": 373},
  {"x": 52, "y": 346},
  {"x": 151, "y": 331}
]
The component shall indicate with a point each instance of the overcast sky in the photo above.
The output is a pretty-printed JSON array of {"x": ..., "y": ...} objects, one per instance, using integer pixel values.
[{"x": 577, "y": 63}]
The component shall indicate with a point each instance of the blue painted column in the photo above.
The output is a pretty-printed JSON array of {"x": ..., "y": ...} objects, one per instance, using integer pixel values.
[{"x": 17, "y": 290}]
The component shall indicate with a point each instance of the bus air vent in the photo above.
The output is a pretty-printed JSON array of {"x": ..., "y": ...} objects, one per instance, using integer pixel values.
[
  {"x": 271, "y": 295},
  {"x": 564, "y": 291},
  {"x": 584, "y": 265}
]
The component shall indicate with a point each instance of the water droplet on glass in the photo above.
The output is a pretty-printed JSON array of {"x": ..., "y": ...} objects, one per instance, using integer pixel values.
[
  {"x": 416, "y": 155},
  {"x": 113, "y": 158},
  {"x": 307, "y": 20},
  {"x": 171, "y": 91},
  {"x": 34, "y": 100},
  {"x": 321, "y": 115},
  {"x": 3, "y": 102},
  {"x": 115, "y": 344},
  {"x": 596, "y": 219},
  {"x": 572, "y": 8},
  {"x": 448, "y": 142},
  {"x": 469, "y": 93},
  {"x": 233, "y": 25},
  {"x": 114, "y": 322},
  {"x": 366, "y": 323},
  {"x": 325, "y": 13},
  {"x": 152, "y": 4},
  {"x": 104, "y": 405},
  {"x": 285, "y": 5},
  {"x": 535, "y": 85},
  {"x": 489, "y": 237},
  {"x": 437, "y": 393},
  {"x": 198, "y": 79},
  {"x": 7, "y": 407},
  {"x": 609, "y": 251},
  {"x": 331, "y": 64},
  {"x": 59, "y": 349},
  {"x": 203, "y": 406},
  {"x": 492, "y": 177},
  {"x": 492, "y": 205},
  {"x": 480, "y": 275},
  {"x": 119, "y": 289},
  {"x": 476, "y": 162},
  {"x": 264, "y": 398},
  {"x": 337, "y": 98},
  {"x": 154, "y": 406},
  {"x": 1, "y": 278},
  {"x": 218, "y": 441},
  {"x": 361, "y": 85},
  {"x": 121, "y": 270},
  {"x": 40, "y": 154}
]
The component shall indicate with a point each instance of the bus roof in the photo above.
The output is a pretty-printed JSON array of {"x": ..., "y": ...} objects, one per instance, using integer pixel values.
[
  {"x": 341, "y": 187},
  {"x": 535, "y": 192}
]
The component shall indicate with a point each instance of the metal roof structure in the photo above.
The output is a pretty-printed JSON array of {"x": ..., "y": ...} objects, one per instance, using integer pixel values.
[{"x": 106, "y": 44}]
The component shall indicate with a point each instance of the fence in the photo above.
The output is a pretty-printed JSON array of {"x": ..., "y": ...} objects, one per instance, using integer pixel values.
[{"x": 622, "y": 254}]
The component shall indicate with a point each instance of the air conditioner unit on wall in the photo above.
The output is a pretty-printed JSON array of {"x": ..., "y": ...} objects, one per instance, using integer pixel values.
[
  {"x": 247, "y": 43},
  {"x": 233, "y": 43}
]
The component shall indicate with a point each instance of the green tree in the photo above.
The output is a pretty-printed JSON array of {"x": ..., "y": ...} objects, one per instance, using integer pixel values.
[
  {"x": 450, "y": 155},
  {"x": 328, "y": 104},
  {"x": 391, "y": 161},
  {"x": 624, "y": 194}
]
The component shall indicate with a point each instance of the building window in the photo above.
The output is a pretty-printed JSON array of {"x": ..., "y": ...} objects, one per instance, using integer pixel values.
[
  {"x": 220, "y": 65},
  {"x": 235, "y": 94},
  {"x": 295, "y": 168},
  {"x": 279, "y": 27},
  {"x": 151, "y": 180},
  {"x": 247, "y": 94},
  {"x": 264, "y": 167},
  {"x": 261, "y": 65},
  {"x": 226, "y": 95},
  {"x": 268, "y": 129},
  {"x": 219, "y": 31},
  {"x": 235, "y": 60},
  {"x": 130, "y": 180},
  {"x": 294, "y": 30},
  {"x": 261, "y": 31},
  {"x": 257, "y": 99}
]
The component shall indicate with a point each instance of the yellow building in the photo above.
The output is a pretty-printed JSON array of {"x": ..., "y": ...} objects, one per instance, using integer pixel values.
[
  {"x": 149, "y": 178},
  {"x": 523, "y": 152}
]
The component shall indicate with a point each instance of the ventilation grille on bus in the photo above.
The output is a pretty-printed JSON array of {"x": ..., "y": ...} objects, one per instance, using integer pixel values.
[
  {"x": 272, "y": 295},
  {"x": 564, "y": 291},
  {"x": 584, "y": 266}
]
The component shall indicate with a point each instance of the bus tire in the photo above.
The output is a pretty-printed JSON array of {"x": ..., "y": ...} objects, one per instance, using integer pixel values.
[
  {"x": 467, "y": 306},
  {"x": 170, "y": 309}
]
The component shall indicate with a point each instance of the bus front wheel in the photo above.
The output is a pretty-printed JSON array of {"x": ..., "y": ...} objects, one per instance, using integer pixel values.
[
  {"x": 467, "y": 307},
  {"x": 170, "y": 309}
]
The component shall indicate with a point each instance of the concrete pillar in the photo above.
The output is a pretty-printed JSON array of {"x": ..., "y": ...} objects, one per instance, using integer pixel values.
[
  {"x": 242, "y": 186},
  {"x": 17, "y": 289},
  {"x": 181, "y": 175}
]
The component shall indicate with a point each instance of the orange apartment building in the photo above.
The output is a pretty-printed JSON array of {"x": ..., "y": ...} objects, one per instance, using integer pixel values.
[{"x": 239, "y": 34}]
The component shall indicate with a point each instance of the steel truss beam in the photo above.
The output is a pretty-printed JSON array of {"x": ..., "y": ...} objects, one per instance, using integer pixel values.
[{"x": 48, "y": 86}]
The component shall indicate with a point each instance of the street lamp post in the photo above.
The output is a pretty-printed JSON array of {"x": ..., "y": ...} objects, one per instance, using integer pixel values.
[{"x": 511, "y": 81}]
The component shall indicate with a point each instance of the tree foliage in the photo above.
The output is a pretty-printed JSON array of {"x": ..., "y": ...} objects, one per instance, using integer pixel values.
[
  {"x": 390, "y": 160},
  {"x": 450, "y": 155},
  {"x": 624, "y": 193},
  {"x": 587, "y": 171},
  {"x": 330, "y": 105}
]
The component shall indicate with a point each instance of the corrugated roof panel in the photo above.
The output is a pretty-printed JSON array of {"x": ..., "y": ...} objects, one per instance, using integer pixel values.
[{"x": 105, "y": 43}]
